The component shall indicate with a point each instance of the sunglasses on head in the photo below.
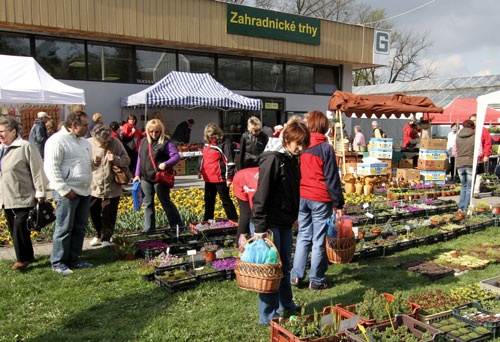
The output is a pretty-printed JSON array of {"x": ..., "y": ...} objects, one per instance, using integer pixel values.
[{"x": 154, "y": 131}]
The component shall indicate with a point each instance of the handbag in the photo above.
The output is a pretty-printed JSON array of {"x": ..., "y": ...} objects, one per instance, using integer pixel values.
[
  {"x": 40, "y": 216},
  {"x": 164, "y": 177},
  {"x": 122, "y": 175}
]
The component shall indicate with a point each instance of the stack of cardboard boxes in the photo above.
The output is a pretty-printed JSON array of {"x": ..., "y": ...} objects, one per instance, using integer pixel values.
[
  {"x": 381, "y": 148},
  {"x": 432, "y": 161}
]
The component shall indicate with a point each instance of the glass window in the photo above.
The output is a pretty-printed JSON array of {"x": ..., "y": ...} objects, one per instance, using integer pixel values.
[
  {"x": 110, "y": 63},
  {"x": 299, "y": 79},
  {"x": 196, "y": 63},
  {"x": 152, "y": 66},
  {"x": 234, "y": 73},
  {"x": 61, "y": 58},
  {"x": 15, "y": 44},
  {"x": 326, "y": 80},
  {"x": 267, "y": 76}
]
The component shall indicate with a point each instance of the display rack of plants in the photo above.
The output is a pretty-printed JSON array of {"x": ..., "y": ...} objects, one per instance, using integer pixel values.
[
  {"x": 373, "y": 308},
  {"x": 491, "y": 284},
  {"x": 218, "y": 226},
  {"x": 308, "y": 328},
  {"x": 407, "y": 328},
  {"x": 175, "y": 281},
  {"x": 474, "y": 315},
  {"x": 458, "y": 331}
]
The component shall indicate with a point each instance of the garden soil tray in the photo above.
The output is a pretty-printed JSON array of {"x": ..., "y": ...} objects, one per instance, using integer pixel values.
[
  {"x": 491, "y": 284},
  {"x": 431, "y": 270}
]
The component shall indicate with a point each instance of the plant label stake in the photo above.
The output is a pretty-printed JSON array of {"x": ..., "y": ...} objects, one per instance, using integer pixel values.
[
  {"x": 369, "y": 215},
  {"x": 366, "y": 205},
  {"x": 389, "y": 313},
  {"x": 350, "y": 323},
  {"x": 363, "y": 330},
  {"x": 355, "y": 231},
  {"x": 407, "y": 232},
  {"x": 192, "y": 253},
  {"x": 177, "y": 232}
]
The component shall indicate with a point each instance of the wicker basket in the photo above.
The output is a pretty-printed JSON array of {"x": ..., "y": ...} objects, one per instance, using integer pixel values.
[
  {"x": 261, "y": 278},
  {"x": 340, "y": 251}
]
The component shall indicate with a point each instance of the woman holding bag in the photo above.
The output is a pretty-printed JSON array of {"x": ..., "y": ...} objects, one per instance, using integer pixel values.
[
  {"x": 159, "y": 150},
  {"x": 22, "y": 184},
  {"x": 105, "y": 191},
  {"x": 275, "y": 208}
]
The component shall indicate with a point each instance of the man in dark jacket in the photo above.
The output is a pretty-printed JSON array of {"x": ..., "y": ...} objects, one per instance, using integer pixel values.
[
  {"x": 38, "y": 135},
  {"x": 183, "y": 132},
  {"x": 252, "y": 143}
]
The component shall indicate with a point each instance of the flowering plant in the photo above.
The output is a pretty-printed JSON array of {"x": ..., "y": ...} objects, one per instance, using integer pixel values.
[
  {"x": 165, "y": 259},
  {"x": 209, "y": 247}
]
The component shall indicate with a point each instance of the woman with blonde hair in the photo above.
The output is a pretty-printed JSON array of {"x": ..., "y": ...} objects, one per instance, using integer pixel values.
[
  {"x": 252, "y": 143},
  {"x": 217, "y": 169},
  {"x": 159, "y": 148}
]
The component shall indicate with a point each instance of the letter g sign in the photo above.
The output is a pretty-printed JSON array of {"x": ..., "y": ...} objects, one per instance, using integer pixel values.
[{"x": 382, "y": 42}]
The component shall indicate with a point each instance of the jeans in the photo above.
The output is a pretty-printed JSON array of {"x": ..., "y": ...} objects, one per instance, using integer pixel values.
[
  {"x": 72, "y": 217},
  {"x": 163, "y": 193},
  {"x": 271, "y": 304},
  {"x": 312, "y": 234},
  {"x": 465, "y": 174},
  {"x": 103, "y": 216}
]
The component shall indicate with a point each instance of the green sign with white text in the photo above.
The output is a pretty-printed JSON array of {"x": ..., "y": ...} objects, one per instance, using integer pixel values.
[{"x": 250, "y": 21}]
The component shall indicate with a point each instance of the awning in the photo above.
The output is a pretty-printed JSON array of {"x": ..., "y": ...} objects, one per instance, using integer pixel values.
[
  {"x": 23, "y": 80},
  {"x": 460, "y": 109},
  {"x": 375, "y": 105},
  {"x": 190, "y": 90}
]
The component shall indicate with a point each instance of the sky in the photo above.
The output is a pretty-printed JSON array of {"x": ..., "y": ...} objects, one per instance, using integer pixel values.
[{"x": 465, "y": 34}]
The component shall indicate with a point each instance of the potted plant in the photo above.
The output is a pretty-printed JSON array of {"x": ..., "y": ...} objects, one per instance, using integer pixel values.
[
  {"x": 436, "y": 219},
  {"x": 127, "y": 250},
  {"x": 495, "y": 209},
  {"x": 146, "y": 271},
  {"x": 208, "y": 251},
  {"x": 482, "y": 207},
  {"x": 460, "y": 215},
  {"x": 376, "y": 231}
]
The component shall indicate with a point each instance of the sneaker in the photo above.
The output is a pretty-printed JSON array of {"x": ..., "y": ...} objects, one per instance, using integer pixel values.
[
  {"x": 95, "y": 242},
  {"x": 107, "y": 244},
  {"x": 477, "y": 195},
  {"x": 319, "y": 286},
  {"x": 62, "y": 269},
  {"x": 81, "y": 264}
]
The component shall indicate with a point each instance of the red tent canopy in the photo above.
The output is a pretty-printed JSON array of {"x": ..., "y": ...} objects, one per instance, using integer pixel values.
[
  {"x": 460, "y": 110},
  {"x": 375, "y": 105}
]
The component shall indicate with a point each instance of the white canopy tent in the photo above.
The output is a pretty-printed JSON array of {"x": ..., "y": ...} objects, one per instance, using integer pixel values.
[
  {"x": 23, "y": 80},
  {"x": 482, "y": 104}
]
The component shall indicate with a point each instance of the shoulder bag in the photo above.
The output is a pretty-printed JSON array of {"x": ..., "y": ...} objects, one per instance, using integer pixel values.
[
  {"x": 165, "y": 177},
  {"x": 122, "y": 174},
  {"x": 40, "y": 216}
]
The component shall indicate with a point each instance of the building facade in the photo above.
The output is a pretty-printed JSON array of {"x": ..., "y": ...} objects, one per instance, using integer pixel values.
[{"x": 113, "y": 48}]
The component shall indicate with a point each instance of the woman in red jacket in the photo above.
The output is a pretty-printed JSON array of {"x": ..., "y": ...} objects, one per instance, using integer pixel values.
[
  {"x": 131, "y": 139},
  {"x": 320, "y": 195},
  {"x": 217, "y": 169}
]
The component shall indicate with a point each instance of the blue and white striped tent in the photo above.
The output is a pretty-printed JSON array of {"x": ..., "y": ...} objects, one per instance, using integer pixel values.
[{"x": 190, "y": 90}]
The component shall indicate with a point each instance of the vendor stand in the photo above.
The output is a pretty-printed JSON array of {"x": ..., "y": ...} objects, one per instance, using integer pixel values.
[{"x": 375, "y": 106}]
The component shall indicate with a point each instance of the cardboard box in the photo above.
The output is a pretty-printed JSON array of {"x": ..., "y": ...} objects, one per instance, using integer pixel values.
[
  {"x": 432, "y": 165},
  {"x": 405, "y": 163},
  {"x": 434, "y": 182},
  {"x": 408, "y": 174},
  {"x": 433, "y": 175},
  {"x": 180, "y": 168},
  {"x": 389, "y": 164},
  {"x": 432, "y": 155},
  {"x": 383, "y": 143},
  {"x": 350, "y": 167},
  {"x": 433, "y": 144},
  {"x": 380, "y": 153},
  {"x": 372, "y": 169}
]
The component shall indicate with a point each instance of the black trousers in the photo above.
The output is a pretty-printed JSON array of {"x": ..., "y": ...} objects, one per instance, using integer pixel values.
[
  {"x": 17, "y": 223},
  {"x": 103, "y": 216},
  {"x": 245, "y": 215},
  {"x": 211, "y": 191}
]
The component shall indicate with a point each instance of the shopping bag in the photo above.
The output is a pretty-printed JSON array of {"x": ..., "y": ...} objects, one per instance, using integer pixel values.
[{"x": 137, "y": 195}]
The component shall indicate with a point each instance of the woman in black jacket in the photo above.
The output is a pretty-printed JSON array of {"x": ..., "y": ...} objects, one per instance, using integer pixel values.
[
  {"x": 252, "y": 143},
  {"x": 276, "y": 207}
]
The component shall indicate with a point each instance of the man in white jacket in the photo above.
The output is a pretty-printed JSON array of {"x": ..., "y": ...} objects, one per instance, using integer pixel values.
[{"x": 68, "y": 165}]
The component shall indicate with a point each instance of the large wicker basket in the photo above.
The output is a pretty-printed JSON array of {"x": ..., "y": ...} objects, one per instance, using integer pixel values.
[
  {"x": 339, "y": 250},
  {"x": 261, "y": 278}
]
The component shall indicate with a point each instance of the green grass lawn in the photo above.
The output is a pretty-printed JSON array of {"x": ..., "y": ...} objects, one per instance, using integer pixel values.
[{"x": 111, "y": 303}]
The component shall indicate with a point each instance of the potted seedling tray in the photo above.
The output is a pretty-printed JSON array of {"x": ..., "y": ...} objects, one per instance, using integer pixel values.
[
  {"x": 416, "y": 328},
  {"x": 351, "y": 311},
  {"x": 214, "y": 226},
  {"x": 280, "y": 333},
  {"x": 180, "y": 280},
  {"x": 480, "y": 317},
  {"x": 457, "y": 331},
  {"x": 430, "y": 319}
]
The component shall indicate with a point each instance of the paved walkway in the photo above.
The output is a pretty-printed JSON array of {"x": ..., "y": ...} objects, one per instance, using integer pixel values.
[{"x": 7, "y": 253}]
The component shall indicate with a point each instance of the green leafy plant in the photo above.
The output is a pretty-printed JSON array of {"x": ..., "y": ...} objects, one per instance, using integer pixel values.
[{"x": 374, "y": 306}]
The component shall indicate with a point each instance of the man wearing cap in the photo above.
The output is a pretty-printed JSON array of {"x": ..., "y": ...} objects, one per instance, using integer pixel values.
[{"x": 38, "y": 134}]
